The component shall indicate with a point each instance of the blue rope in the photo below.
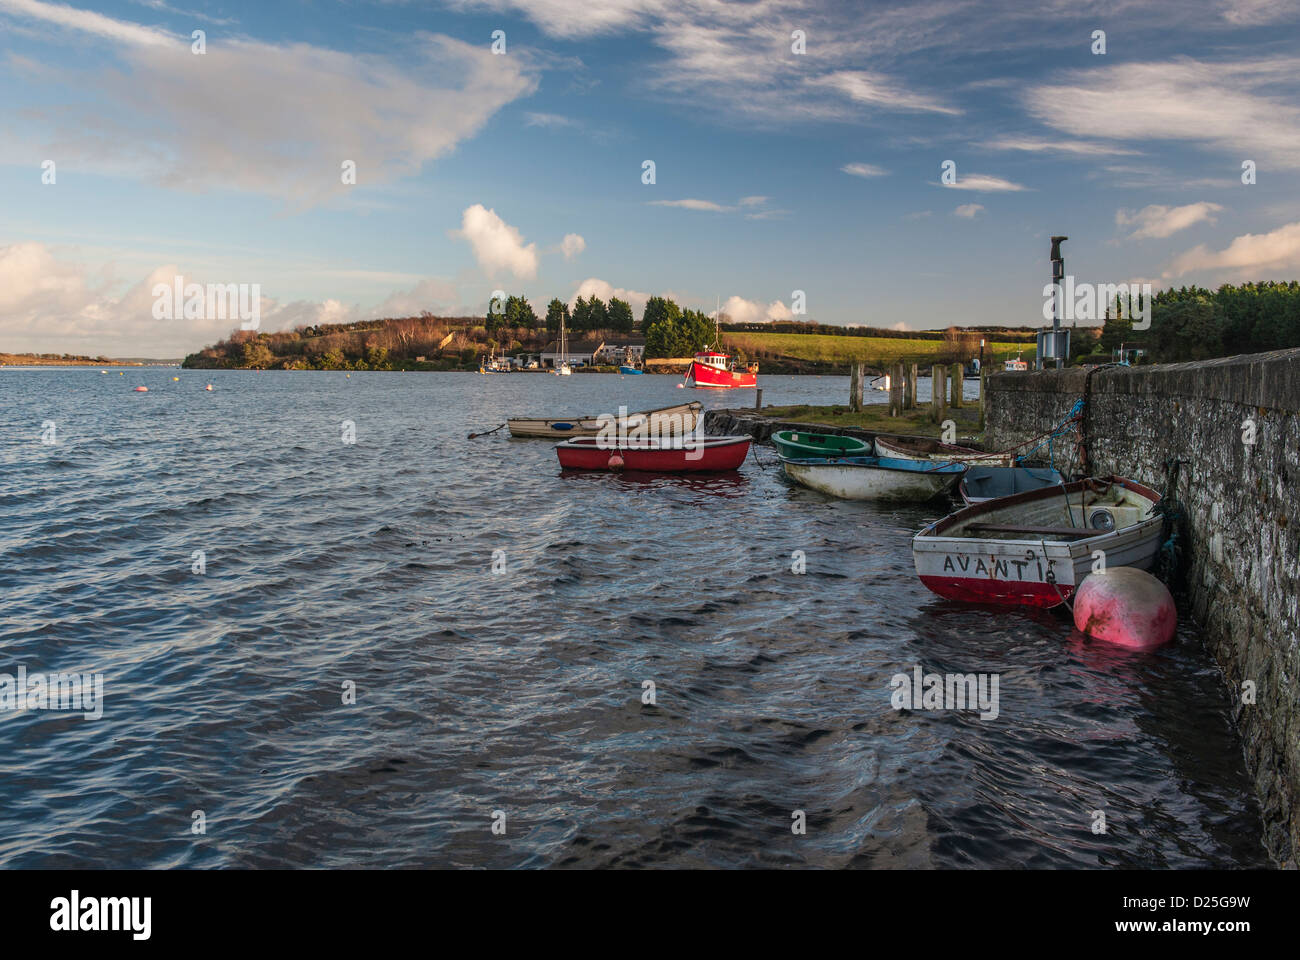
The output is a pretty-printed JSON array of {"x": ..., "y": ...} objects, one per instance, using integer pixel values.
[{"x": 1061, "y": 428}]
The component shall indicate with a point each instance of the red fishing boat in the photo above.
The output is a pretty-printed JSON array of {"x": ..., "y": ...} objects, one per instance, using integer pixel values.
[
  {"x": 714, "y": 369},
  {"x": 673, "y": 455}
]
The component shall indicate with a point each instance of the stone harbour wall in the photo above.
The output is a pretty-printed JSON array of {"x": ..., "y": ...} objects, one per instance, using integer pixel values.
[{"x": 1236, "y": 421}]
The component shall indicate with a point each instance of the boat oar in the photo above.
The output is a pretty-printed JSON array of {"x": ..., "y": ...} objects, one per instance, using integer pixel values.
[{"x": 484, "y": 433}]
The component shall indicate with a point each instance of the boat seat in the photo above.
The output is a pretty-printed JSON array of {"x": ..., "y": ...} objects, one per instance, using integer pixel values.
[{"x": 1074, "y": 533}]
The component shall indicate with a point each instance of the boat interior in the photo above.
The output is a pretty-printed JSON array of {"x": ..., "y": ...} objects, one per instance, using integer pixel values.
[{"x": 1082, "y": 513}]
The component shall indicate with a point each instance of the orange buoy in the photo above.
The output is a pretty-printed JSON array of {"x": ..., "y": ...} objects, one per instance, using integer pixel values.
[
  {"x": 141, "y": 389},
  {"x": 1127, "y": 607},
  {"x": 208, "y": 387}
]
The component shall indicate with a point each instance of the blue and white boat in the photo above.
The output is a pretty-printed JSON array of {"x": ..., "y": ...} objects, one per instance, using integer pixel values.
[
  {"x": 874, "y": 478},
  {"x": 628, "y": 369}
]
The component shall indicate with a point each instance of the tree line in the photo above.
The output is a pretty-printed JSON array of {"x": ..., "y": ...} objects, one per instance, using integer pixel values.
[{"x": 1195, "y": 323}]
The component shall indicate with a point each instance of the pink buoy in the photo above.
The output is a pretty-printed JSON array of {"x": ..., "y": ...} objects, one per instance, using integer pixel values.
[
  {"x": 141, "y": 389},
  {"x": 615, "y": 462},
  {"x": 1127, "y": 607}
]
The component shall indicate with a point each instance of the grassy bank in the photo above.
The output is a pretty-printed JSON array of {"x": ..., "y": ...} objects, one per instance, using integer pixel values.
[
  {"x": 876, "y": 418},
  {"x": 877, "y": 352}
]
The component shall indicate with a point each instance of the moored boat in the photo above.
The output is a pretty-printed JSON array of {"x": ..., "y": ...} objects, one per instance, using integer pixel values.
[
  {"x": 713, "y": 369},
  {"x": 934, "y": 451},
  {"x": 626, "y": 368},
  {"x": 679, "y": 420},
  {"x": 1035, "y": 548},
  {"x": 988, "y": 483},
  {"x": 679, "y": 455},
  {"x": 873, "y": 478},
  {"x": 801, "y": 443}
]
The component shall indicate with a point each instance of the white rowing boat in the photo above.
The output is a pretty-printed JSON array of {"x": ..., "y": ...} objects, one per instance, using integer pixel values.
[
  {"x": 873, "y": 478},
  {"x": 1035, "y": 548},
  {"x": 675, "y": 421},
  {"x": 933, "y": 451}
]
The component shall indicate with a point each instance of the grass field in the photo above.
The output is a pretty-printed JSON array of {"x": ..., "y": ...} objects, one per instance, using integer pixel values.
[
  {"x": 872, "y": 351},
  {"x": 875, "y": 417}
]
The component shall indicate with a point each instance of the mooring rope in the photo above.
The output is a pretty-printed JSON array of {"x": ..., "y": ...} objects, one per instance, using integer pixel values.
[{"x": 484, "y": 433}]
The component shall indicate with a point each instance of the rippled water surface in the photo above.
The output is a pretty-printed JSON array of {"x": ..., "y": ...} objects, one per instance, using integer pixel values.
[{"x": 330, "y": 564}]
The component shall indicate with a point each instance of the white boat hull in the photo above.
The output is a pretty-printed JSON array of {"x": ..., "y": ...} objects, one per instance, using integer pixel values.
[
  {"x": 1027, "y": 568},
  {"x": 870, "y": 483}
]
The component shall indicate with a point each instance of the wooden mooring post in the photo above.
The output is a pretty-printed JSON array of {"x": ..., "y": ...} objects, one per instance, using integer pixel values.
[
  {"x": 984, "y": 393},
  {"x": 958, "y": 382},
  {"x": 938, "y": 389},
  {"x": 909, "y": 388},
  {"x": 897, "y": 390},
  {"x": 855, "y": 388},
  {"x": 758, "y": 399}
]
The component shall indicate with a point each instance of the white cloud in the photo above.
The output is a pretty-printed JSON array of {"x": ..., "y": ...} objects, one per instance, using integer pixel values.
[
  {"x": 1248, "y": 257},
  {"x": 863, "y": 170},
  {"x": 968, "y": 210},
  {"x": 1238, "y": 108},
  {"x": 740, "y": 310},
  {"x": 593, "y": 285},
  {"x": 52, "y": 305},
  {"x": 1247, "y": 13},
  {"x": 1161, "y": 221},
  {"x": 690, "y": 203},
  {"x": 753, "y": 201},
  {"x": 983, "y": 183},
  {"x": 551, "y": 120},
  {"x": 192, "y": 122},
  {"x": 878, "y": 90},
  {"x": 572, "y": 245},
  {"x": 497, "y": 246},
  {"x": 1037, "y": 145}
]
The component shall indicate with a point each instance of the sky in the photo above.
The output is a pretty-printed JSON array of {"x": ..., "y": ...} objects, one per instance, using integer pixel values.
[{"x": 798, "y": 153}]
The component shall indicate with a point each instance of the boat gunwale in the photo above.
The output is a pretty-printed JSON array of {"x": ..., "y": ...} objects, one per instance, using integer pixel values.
[{"x": 933, "y": 531}]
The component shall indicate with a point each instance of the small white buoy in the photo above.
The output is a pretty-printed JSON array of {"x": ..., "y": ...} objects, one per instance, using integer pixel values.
[{"x": 208, "y": 387}]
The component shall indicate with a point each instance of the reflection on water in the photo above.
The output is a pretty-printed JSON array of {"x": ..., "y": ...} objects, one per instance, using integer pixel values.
[{"x": 370, "y": 566}]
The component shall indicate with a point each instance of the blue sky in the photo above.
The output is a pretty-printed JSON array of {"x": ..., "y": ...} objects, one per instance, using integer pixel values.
[{"x": 775, "y": 171}]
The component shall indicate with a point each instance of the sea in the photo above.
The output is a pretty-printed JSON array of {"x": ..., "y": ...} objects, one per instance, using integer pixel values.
[{"x": 314, "y": 624}]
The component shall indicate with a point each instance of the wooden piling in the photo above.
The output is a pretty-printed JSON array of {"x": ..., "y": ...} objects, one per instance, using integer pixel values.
[
  {"x": 855, "y": 388},
  {"x": 897, "y": 384},
  {"x": 909, "y": 388},
  {"x": 984, "y": 393},
  {"x": 938, "y": 388},
  {"x": 958, "y": 381},
  {"x": 758, "y": 399}
]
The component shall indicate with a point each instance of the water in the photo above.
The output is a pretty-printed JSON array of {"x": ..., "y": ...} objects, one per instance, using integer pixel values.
[{"x": 371, "y": 564}]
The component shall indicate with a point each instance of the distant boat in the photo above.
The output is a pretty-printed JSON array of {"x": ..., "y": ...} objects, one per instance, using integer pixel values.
[
  {"x": 625, "y": 368},
  {"x": 988, "y": 483},
  {"x": 800, "y": 443},
  {"x": 654, "y": 456},
  {"x": 562, "y": 368},
  {"x": 1015, "y": 365},
  {"x": 874, "y": 478},
  {"x": 713, "y": 369},
  {"x": 660, "y": 421},
  {"x": 1034, "y": 548},
  {"x": 933, "y": 451}
]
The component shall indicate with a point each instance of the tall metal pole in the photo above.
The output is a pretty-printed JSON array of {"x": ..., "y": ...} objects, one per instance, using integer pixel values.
[{"x": 1058, "y": 272}]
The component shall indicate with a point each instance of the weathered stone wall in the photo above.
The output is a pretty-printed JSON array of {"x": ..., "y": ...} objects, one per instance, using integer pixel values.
[{"x": 1243, "y": 514}]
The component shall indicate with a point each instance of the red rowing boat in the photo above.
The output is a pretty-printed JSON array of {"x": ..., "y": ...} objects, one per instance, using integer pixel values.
[{"x": 652, "y": 455}]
